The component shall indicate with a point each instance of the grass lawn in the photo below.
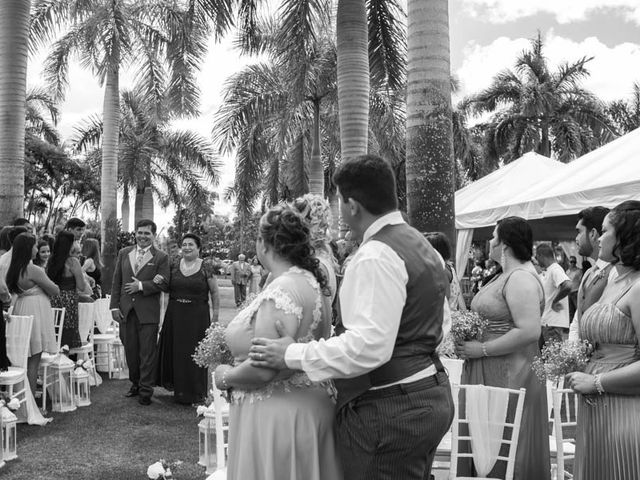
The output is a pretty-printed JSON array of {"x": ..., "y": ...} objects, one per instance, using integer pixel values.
[{"x": 115, "y": 437}]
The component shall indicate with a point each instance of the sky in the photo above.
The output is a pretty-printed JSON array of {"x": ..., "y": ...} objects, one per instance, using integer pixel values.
[{"x": 485, "y": 38}]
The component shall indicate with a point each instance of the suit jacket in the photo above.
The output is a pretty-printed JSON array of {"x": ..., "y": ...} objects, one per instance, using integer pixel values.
[
  {"x": 240, "y": 273},
  {"x": 591, "y": 288},
  {"x": 146, "y": 303}
]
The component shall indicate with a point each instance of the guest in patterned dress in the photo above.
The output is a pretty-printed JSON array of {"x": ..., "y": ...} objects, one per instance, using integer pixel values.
[
  {"x": 512, "y": 302},
  {"x": 281, "y": 424},
  {"x": 608, "y": 432},
  {"x": 66, "y": 272},
  {"x": 193, "y": 282}
]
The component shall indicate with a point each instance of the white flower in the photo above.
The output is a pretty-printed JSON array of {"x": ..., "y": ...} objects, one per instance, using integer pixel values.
[
  {"x": 155, "y": 471},
  {"x": 64, "y": 349},
  {"x": 14, "y": 404},
  {"x": 80, "y": 362},
  {"x": 200, "y": 410}
]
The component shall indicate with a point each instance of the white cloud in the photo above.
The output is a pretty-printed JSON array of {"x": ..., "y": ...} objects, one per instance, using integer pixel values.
[
  {"x": 613, "y": 69},
  {"x": 501, "y": 11}
]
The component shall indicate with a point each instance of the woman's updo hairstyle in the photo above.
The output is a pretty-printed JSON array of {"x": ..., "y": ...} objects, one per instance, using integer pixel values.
[
  {"x": 625, "y": 218},
  {"x": 516, "y": 233},
  {"x": 284, "y": 229},
  {"x": 196, "y": 239}
]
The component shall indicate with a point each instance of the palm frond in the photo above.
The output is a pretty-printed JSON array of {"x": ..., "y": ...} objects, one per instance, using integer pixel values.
[{"x": 387, "y": 43}]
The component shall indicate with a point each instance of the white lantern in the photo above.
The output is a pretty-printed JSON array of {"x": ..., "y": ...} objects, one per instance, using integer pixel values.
[
  {"x": 80, "y": 387},
  {"x": 207, "y": 440},
  {"x": 61, "y": 393},
  {"x": 9, "y": 421}
]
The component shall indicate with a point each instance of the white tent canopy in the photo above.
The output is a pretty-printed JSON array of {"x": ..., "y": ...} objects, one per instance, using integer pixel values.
[
  {"x": 606, "y": 177},
  {"x": 485, "y": 201}
]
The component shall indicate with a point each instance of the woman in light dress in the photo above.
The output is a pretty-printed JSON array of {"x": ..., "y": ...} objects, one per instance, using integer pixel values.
[
  {"x": 33, "y": 288},
  {"x": 281, "y": 423},
  {"x": 512, "y": 302},
  {"x": 256, "y": 276},
  {"x": 608, "y": 432}
]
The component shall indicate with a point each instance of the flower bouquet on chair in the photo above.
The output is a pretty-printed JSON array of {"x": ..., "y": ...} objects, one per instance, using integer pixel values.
[
  {"x": 560, "y": 358},
  {"x": 161, "y": 470}
]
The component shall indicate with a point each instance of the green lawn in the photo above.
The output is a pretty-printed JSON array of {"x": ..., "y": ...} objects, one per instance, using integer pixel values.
[{"x": 115, "y": 437}]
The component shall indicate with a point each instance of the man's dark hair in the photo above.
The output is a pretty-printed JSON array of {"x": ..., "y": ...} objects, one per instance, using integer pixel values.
[
  {"x": 545, "y": 250},
  {"x": 369, "y": 180},
  {"x": 592, "y": 217},
  {"x": 440, "y": 242},
  {"x": 145, "y": 222},
  {"x": 15, "y": 231},
  {"x": 20, "y": 221},
  {"x": 74, "y": 222}
]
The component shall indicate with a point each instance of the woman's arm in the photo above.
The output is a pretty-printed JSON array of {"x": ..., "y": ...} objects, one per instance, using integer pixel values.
[
  {"x": 214, "y": 294},
  {"x": 523, "y": 295},
  {"x": 38, "y": 276},
  {"x": 245, "y": 375},
  {"x": 88, "y": 265},
  {"x": 76, "y": 270},
  {"x": 625, "y": 380}
]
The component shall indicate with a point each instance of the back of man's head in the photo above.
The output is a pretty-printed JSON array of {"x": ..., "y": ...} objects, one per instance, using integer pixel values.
[
  {"x": 592, "y": 217},
  {"x": 20, "y": 221},
  {"x": 74, "y": 222},
  {"x": 15, "y": 231},
  {"x": 369, "y": 180},
  {"x": 545, "y": 250}
]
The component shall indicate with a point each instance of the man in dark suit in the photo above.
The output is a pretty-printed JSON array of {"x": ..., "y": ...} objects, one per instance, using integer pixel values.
[
  {"x": 135, "y": 304},
  {"x": 240, "y": 272}
]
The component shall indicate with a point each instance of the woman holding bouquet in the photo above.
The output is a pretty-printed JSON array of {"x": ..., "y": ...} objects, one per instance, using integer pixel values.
[
  {"x": 281, "y": 423},
  {"x": 608, "y": 432},
  {"x": 512, "y": 302}
]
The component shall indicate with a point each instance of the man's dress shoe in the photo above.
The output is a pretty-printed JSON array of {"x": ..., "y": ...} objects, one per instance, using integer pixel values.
[
  {"x": 132, "y": 392},
  {"x": 144, "y": 401}
]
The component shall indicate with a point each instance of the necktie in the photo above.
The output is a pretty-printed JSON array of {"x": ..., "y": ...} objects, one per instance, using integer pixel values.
[{"x": 139, "y": 257}]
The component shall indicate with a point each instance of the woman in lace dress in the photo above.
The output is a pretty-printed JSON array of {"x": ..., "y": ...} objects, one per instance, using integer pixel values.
[
  {"x": 512, "y": 302},
  {"x": 608, "y": 432},
  {"x": 281, "y": 424}
]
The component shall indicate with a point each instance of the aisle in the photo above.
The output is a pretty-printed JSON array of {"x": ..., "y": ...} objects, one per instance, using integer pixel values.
[{"x": 115, "y": 438}]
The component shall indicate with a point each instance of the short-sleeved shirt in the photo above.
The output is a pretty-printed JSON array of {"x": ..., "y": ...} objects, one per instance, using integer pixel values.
[
  {"x": 552, "y": 278},
  {"x": 575, "y": 275}
]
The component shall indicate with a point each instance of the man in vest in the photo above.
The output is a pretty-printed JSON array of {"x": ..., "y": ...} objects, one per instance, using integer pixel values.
[
  {"x": 394, "y": 400},
  {"x": 589, "y": 229}
]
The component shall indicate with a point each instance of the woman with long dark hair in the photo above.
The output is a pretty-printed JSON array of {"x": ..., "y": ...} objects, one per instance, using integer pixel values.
[
  {"x": 66, "y": 272},
  {"x": 33, "y": 288},
  {"x": 92, "y": 265},
  {"x": 44, "y": 252}
]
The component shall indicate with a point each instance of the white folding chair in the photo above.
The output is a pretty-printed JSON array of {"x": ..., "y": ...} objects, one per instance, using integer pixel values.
[
  {"x": 505, "y": 435},
  {"x": 18, "y": 332},
  {"x": 85, "y": 351},
  {"x": 222, "y": 431},
  {"x": 48, "y": 358},
  {"x": 106, "y": 339},
  {"x": 565, "y": 413}
]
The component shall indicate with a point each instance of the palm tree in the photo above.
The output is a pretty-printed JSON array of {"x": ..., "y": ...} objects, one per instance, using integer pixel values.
[
  {"x": 107, "y": 34},
  {"x": 14, "y": 36},
  {"x": 42, "y": 115},
  {"x": 430, "y": 167},
  {"x": 536, "y": 109},
  {"x": 153, "y": 158},
  {"x": 625, "y": 114}
]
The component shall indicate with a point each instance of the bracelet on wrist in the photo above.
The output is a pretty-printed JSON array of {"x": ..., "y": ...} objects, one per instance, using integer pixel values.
[
  {"x": 223, "y": 380},
  {"x": 597, "y": 381},
  {"x": 484, "y": 350}
]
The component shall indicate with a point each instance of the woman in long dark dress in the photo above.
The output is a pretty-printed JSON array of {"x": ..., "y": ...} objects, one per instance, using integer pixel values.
[
  {"x": 512, "y": 302},
  {"x": 65, "y": 271},
  {"x": 192, "y": 283}
]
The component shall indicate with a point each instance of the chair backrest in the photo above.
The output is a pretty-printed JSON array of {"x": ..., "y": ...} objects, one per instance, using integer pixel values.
[
  {"x": 18, "y": 336},
  {"x": 453, "y": 366},
  {"x": 222, "y": 425},
  {"x": 85, "y": 321},
  {"x": 102, "y": 315},
  {"x": 551, "y": 385},
  {"x": 565, "y": 420},
  {"x": 58, "y": 324},
  {"x": 508, "y": 434}
]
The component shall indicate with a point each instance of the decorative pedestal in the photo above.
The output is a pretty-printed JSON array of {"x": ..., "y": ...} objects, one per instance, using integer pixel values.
[
  {"x": 8, "y": 432},
  {"x": 80, "y": 387},
  {"x": 207, "y": 441},
  {"x": 61, "y": 393}
]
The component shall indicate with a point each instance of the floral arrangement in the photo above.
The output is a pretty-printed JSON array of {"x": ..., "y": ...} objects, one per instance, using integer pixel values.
[
  {"x": 446, "y": 348},
  {"x": 467, "y": 326},
  {"x": 213, "y": 349},
  {"x": 560, "y": 358},
  {"x": 161, "y": 470},
  {"x": 82, "y": 366},
  {"x": 12, "y": 403}
]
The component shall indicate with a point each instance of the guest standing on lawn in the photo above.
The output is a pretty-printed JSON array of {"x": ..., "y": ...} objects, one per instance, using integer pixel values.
[
  {"x": 192, "y": 284},
  {"x": 240, "y": 273},
  {"x": 512, "y": 302},
  {"x": 135, "y": 304},
  {"x": 65, "y": 271},
  {"x": 608, "y": 432}
]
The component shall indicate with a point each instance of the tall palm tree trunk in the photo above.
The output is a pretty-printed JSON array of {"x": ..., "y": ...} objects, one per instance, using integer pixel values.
[
  {"x": 316, "y": 170},
  {"x": 126, "y": 210},
  {"x": 353, "y": 77},
  {"x": 108, "y": 199},
  {"x": 14, "y": 37},
  {"x": 430, "y": 166},
  {"x": 353, "y": 80}
]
